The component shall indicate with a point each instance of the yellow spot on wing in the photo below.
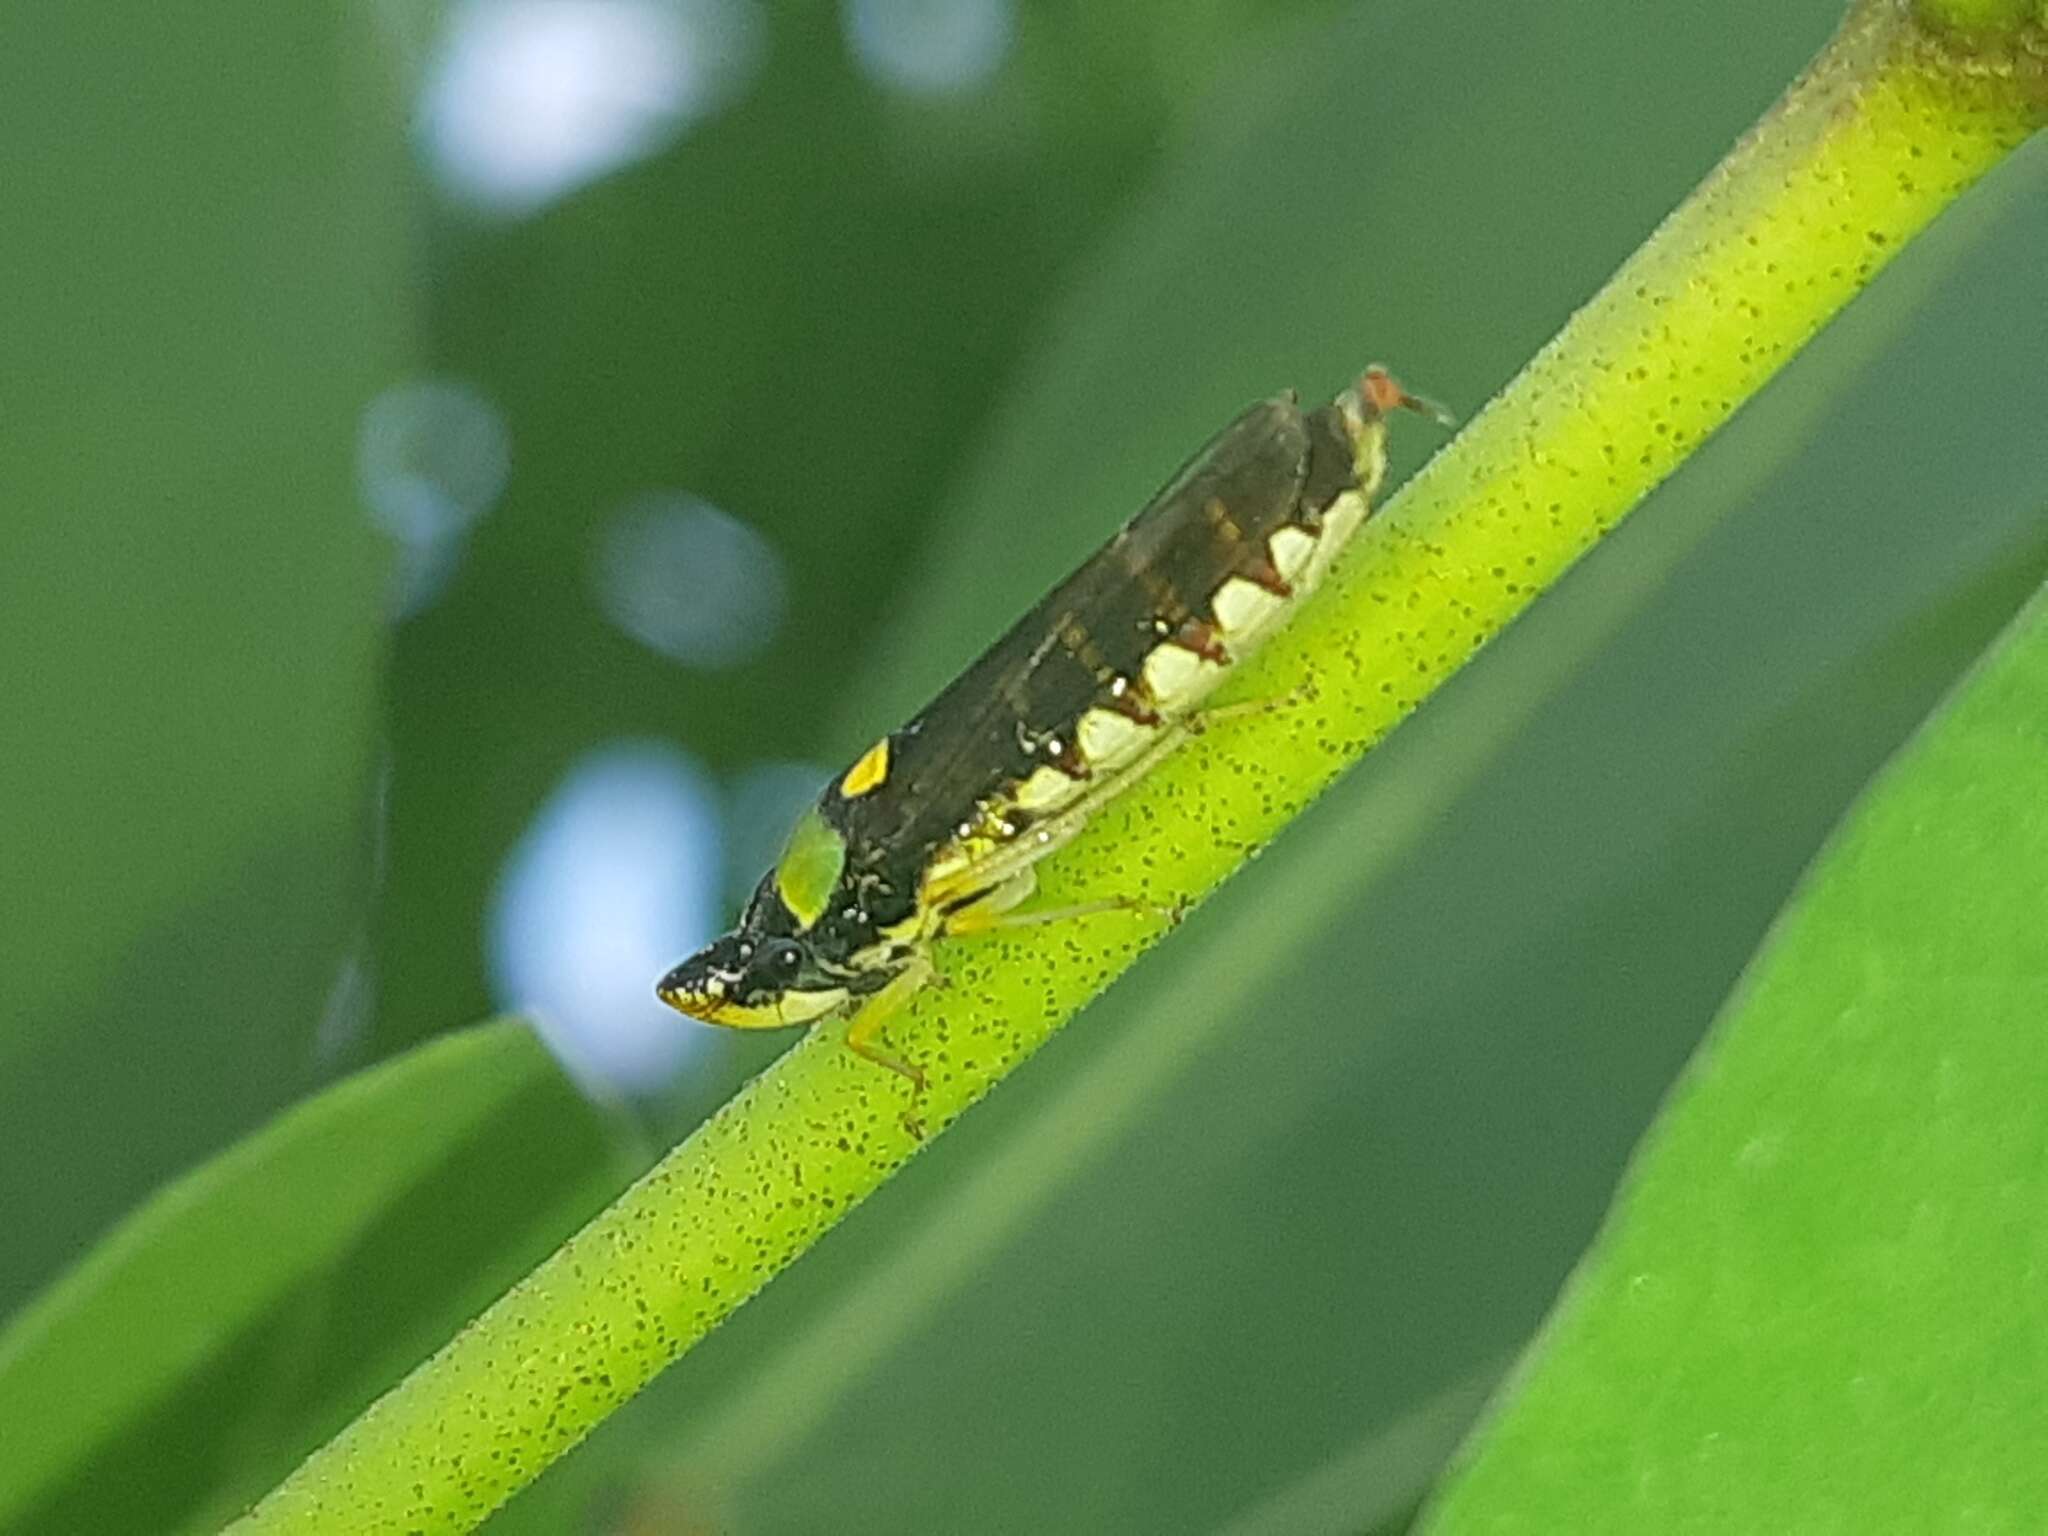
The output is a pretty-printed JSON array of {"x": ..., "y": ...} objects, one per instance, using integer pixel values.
[{"x": 870, "y": 771}]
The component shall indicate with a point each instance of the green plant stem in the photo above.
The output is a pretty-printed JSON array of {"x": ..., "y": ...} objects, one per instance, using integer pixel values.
[
  {"x": 2004, "y": 23},
  {"x": 1883, "y": 132}
]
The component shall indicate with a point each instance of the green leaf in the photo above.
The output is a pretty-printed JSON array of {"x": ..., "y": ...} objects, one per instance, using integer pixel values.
[
  {"x": 203, "y": 286},
  {"x": 1818, "y": 1305},
  {"x": 251, "y": 1306}
]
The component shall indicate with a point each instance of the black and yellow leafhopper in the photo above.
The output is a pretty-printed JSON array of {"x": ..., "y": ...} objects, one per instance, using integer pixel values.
[{"x": 937, "y": 828}]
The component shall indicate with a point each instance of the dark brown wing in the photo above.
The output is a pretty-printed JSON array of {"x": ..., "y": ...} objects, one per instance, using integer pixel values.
[{"x": 978, "y": 736}]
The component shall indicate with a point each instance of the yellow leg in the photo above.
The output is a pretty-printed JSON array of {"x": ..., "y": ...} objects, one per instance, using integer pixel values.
[
  {"x": 997, "y": 909},
  {"x": 875, "y": 1015},
  {"x": 1216, "y": 714},
  {"x": 974, "y": 920}
]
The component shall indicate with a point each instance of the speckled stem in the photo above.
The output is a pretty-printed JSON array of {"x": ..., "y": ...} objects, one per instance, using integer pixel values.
[
  {"x": 2004, "y": 24},
  {"x": 1885, "y": 130}
]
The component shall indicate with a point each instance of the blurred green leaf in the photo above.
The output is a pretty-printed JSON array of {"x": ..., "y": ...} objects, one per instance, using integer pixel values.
[
  {"x": 1818, "y": 1305},
  {"x": 232, "y": 1321},
  {"x": 201, "y": 287}
]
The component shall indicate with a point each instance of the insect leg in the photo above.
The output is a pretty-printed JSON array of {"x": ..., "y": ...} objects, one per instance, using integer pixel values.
[
  {"x": 875, "y": 1015},
  {"x": 996, "y": 910},
  {"x": 1207, "y": 715},
  {"x": 975, "y": 921}
]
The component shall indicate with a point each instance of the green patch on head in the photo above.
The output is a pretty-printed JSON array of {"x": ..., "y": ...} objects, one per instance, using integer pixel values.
[{"x": 810, "y": 868}]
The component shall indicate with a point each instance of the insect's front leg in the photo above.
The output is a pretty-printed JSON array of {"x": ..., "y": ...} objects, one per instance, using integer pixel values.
[{"x": 874, "y": 1016}]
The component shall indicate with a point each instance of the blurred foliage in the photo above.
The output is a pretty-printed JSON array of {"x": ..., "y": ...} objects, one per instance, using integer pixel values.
[
  {"x": 932, "y": 348},
  {"x": 1837, "y": 1226},
  {"x": 204, "y": 281},
  {"x": 276, "y": 1287}
]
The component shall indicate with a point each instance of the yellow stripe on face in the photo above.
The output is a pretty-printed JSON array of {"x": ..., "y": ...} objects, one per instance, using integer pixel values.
[
  {"x": 871, "y": 771},
  {"x": 781, "y": 1012}
]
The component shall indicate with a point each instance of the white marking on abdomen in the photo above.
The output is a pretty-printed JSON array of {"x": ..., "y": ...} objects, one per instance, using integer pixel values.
[
  {"x": 1176, "y": 677},
  {"x": 1291, "y": 549},
  {"x": 1109, "y": 740},
  {"x": 1340, "y": 521},
  {"x": 1245, "y": 610},
  {"x": 1046, "y": 790}
]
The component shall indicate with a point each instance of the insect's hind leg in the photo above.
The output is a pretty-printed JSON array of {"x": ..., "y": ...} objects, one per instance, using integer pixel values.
[
  {"x": 996, "y": 911},
  {"x": 1206, "y": 715}
]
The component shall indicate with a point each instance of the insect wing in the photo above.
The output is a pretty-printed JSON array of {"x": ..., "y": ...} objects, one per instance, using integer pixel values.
[{"x": 1016, "y": 708}]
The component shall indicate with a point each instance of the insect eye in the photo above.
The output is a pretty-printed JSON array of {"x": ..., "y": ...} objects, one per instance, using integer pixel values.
[{"x": 780, "y": 957}]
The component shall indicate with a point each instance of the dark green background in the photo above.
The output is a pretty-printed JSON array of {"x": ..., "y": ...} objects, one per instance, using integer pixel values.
[{"x": 935, "y": 349}]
